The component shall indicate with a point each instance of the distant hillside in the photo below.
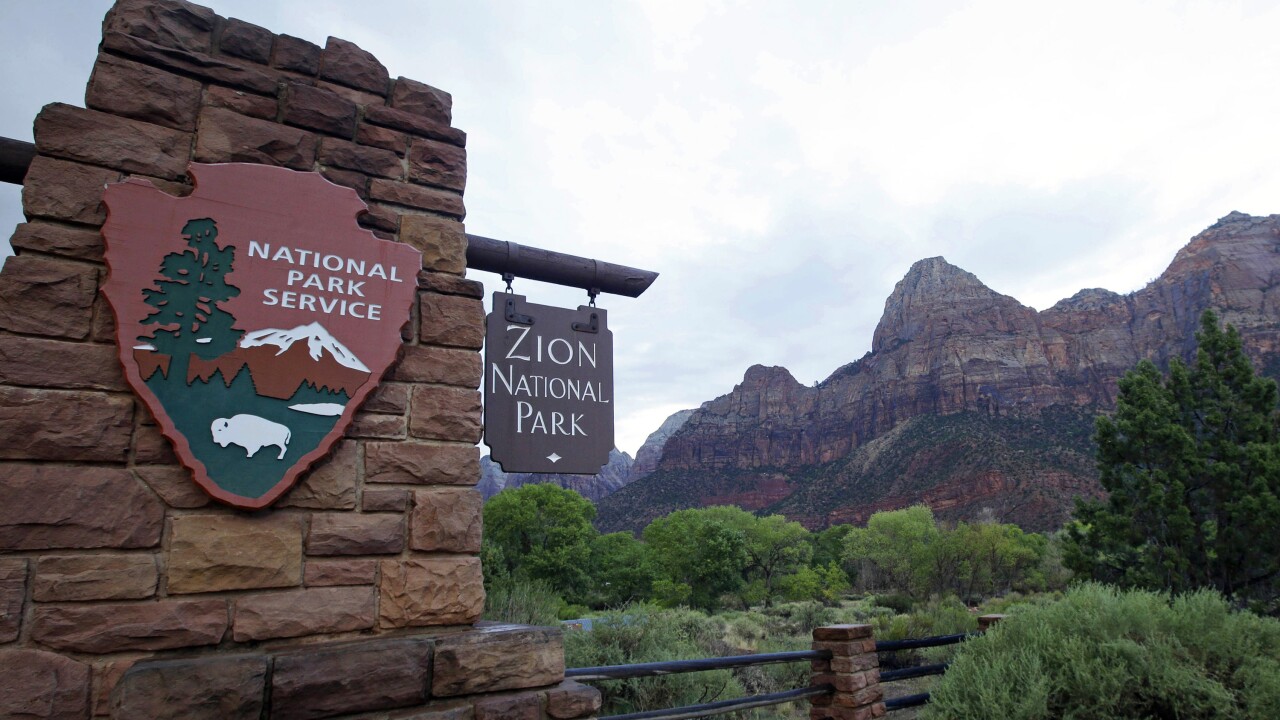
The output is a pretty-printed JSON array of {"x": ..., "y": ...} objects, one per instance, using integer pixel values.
[
  {"x": 968, "y": 400},
  {"x": 612, "y": 476}
]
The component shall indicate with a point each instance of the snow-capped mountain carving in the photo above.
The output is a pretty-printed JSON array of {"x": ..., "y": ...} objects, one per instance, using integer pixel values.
[{"x": 318, "y": 341}]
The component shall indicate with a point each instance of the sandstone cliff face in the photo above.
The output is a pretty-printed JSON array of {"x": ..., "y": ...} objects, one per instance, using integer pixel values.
[
  {"x": 612, "y": 476},
  {"x": 947, "y": 344},
  {"x": 650, "y": 453}
]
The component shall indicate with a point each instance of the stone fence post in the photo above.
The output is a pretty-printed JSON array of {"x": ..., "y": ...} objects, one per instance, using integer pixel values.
[{"x": 853, "y": 670}]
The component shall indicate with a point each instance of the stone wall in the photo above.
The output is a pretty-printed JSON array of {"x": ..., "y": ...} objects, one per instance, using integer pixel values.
[{"x": 123, "y": 589}]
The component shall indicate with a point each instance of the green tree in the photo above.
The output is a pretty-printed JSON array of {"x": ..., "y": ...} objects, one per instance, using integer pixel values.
[
  {"x": 542, "y": 532},
  {"x": 699, "y": 555},
  {"x": 621, "y": 571},
  {"x": 186, "y": 301},
  {"x": 894, "y": 552},
  {"x": 776, "y": 547},
  {"x": 1191, "y": 465}
]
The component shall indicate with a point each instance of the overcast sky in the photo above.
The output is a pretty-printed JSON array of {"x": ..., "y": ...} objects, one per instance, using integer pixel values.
[{"x": 782, "y": 164}]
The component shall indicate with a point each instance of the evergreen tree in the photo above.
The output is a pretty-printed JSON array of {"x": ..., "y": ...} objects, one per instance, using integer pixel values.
[
  {"x": 186, "y": 301},
  {"x": 1191, "y": 465}
]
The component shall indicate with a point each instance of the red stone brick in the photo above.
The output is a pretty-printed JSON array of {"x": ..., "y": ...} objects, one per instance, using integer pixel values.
[
  {"x": 417, "y": 196},
  {"x": 377, "y": 427},
  {"x": 174, "y": 485},
  {"x": 376, "y": 499},
  {"x": 502, "y": 657},
  {"x": 245, "y": 103},
  {"x": 355, "y": 534},
  {"x": 46, "y": 296},
  {"x": 367, "y": 160},
  {"x": 423, "y": 100},
  {"x": 297, "y": 55},
  {"x": 318, "y": 109},
  {"x": 68, "y": 241},
  {"x": 39, "y": 684},
  {"x": 345, "y": 63},
  {"x": 445, "y": 413},
  {"x": 331, "y": 485},
  {"x": 150, "y": 447},
  {"x": 380, "y": 217},
  {"x": 105, "y": 677},
  {"x": 429, "y": 591},
  {"x": 359, "y": 97},
  {"x": 101, "y": 628},
  {"x": 77, "y": 578},
  {"x": 209, "y": 688},
  {"x": 76, "y": 506},
  {"x": 414, "y": 124},
  {"x": 216, "y": 552},
  {"x": 346, "y": 178},
  {"x": 370, "y": 675},
  {"x": 346, "y": 571},
  {"x": 388, "y": 397},
  {"x": 571, "y": 700},
  {"x": 312, "y": 611},
  {"x": 411, "y": 463},
  {"x": 198, "y": 64},
  {"x": 842, "y": 632},
  {"x": 446, "y": 519},
  {"x": 99, "y": 138},
  {"x": 245, "y": 40},
  {"x": 436, "y": 163},
  {"x": 62, "y": 190},
  {"x": 522, "y": 706},
  {"x": 451, "y": 320},
  {"x": 447, "y": 284},
  {"x": 445, "y": 366},
  {"x": 13, "y": 596},
  {"x": 170, "y": 23},
  {"x": 442, "y": 242},
  {"x": 226, "y": 136},
  {"x": 39, "y": 362},
  {"x": 142, "y": 92},
  {"x": 381, "y": 137},
  {"x": 64, "y": 425}
]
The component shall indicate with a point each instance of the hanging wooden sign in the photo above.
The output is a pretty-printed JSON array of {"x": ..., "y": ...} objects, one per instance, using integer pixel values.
[
  {"x": 548, "y": 388},
  {"x": 253, "y": 317}
]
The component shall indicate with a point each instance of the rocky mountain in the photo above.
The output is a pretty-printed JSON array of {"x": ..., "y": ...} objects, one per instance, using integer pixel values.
[
  {"x": 615, "y": 474},
  {"x": 968, "y": 400},
  {"x": 650, "y": 452}
]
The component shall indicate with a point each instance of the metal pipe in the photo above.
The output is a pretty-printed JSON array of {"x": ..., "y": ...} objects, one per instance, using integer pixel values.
[
  {"x": 668, "y": 667},
  {"x": 500, "y": 256},
  {"x": 487, "y": 254},
  {"x": 689, "y": 712}
]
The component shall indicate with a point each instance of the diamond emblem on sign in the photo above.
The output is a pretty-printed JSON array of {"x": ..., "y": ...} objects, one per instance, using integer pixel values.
[{"x": 553, "y": 457}]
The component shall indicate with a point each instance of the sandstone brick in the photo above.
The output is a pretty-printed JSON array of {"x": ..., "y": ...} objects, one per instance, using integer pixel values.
[
  {"x": 521, "y": 706},
  {"x": 101, "y": 628},
  {"x": 439, "y": 282},
  {"x": 859, "y": 698},
  {"x": 846, "y": 647},
  {"x": 318, "y": 109},
  {"x": 63, "y": 190},
  {"x": 367, "y": 160},
  {"x": 355, "y": 534},
  {"x": 38, "y": 684},
  {"x": 388, "y": 398},
  {"x": 44, "y": 296},
  {"x": 245, "y": 40},
  {"x": 445, "y": 413},
  {"x": 358, "y": 677},
  {"x": 842, "y": 632},
  {"x": 331, "y": 485},
  {"x": 347, "y": 178},
  {"x": 347, "y": 571},
  {"x": 152, "y": 447},
  {"x": 430, "y": 591},
  {"x": 174, "y": 485},
  {"x": 443, "y": 242},
  {"x": 376, "y": 499},
  {"x": 55, "y": 364},
  {"x": 497, "y": 658},
  {"x": 171, "y": 23},
  {"x": 444, "y": 366},
  {"x": 446, "y": 519},
  {"x": 77, "y": 578},
  {"x": 54, "y": 239},
  {"x": 312, "y": 611},
  {"x": 102, "y": 329},
  {"x": 414, "y": 124},
  {"x": 198, "y": 64},
  {"x": 226, "y": 136},
  {"x": 441, "y": 710},
  {"x": 242, "y": 102},
  {"x": 359, "y": 97},
  {"x": 105, "y": 677},
  {"x": 13, "y": 596},
  {"x": 208, "y": 553},
  {"x": 420, "y": 99},
  {"x": 64, "y": 425},
  {"x": 377, "y": 426},
  {"x": 296, "y": 54},
  {"x": 417, "y": 196},
  {"x": 842, "y": 682},
  {"x": 380, "y": 217},
  {"x": 572, "y": 700},
  {"x": 344, "y": 62},
  {"x": 67, "y": 506},
  {"x": 99, "y": 138},
  {"x": 384, "y": 138},
  {"x": 142, "y": 92},
  {"x": 422, "y": 463},
  {"x": 210, "y": 688},
  {"x": 856, "y": 663},
  {"x": 451, "y": 320},
  {"x": 432, "y": 162}
]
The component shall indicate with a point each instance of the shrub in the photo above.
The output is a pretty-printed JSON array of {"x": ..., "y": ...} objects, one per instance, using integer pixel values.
[
  {"x": 1106, "y": 654},
  {"x": 524, "y": 602}
]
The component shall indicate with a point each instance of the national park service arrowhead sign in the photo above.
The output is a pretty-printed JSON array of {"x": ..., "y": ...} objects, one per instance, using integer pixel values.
[
  {"x": 548, "y": 387},
  {"x": 253, "y": 317}
]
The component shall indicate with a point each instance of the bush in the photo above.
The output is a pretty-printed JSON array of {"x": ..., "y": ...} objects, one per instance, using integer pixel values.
[
  {"x": 1106, "y": 654},
  {"x": 523, "y": 602}
]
